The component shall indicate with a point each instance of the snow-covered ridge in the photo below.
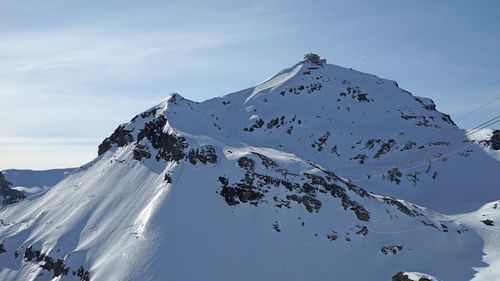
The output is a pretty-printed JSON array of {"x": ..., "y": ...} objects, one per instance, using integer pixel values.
[
  {"x": 364, "y": 127},
  {"x": 312, "y": 174}
]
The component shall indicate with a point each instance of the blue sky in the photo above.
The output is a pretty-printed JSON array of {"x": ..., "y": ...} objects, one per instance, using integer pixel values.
[{"x": 71, "y": 71}]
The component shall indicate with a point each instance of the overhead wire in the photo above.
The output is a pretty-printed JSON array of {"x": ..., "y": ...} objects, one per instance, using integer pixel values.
[
  {"x": 429, "y": 161},
  {"x": 461, "y": 117},
  {"x": 440, "y": 129}
]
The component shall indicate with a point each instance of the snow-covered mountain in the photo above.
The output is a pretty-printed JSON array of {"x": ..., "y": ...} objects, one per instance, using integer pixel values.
[
  {"x": 315, "y": 173},
  {"x": 7, "y": 194},
  {"x": 31, "y": 182}
]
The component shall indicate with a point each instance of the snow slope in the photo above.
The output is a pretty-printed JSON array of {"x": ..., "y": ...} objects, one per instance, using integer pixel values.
[{"x": 311, "y": 175}]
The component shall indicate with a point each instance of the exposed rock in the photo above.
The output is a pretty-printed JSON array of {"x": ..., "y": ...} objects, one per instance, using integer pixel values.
[
  {"x": 488, "y": 222},
  {"x": 168, "y": 178},
  {"x": 149, "y": 113},
  {"x": 241, "y": 192},
  {"x": 3, "y": 182},
  {"x": 429, "y": 105},
  {"x": 314, "y": 59},
  {"x": 170, "y": 147},
  {"x": 253, "y": 187},
  {"x": 401, "y": 276},
  {"x": 392, "y": 249},
  {"x": 311, "y": 203},
  {"x": 258, "y": 124},
  {"x": 363, "y": 230},
  {"x": 356, "y": 94},
  {"x": 246, "y": 163},
  {"x": 393, "y": 175},
  {"x": 7, "y": 194},
  {"x": 318, "y": 144},
  {"x": 266, "y": 161},
  {"x": 494, "y": 141},
  {"x": 413, "y": 177},
  {"x": 409, "y": 145},
  {"x": 446, "y": 118},
  {"x": 141, "y": 151},
  {"x": 361, "y": 158},
  {"x": 401, "y": 207},
  {"x": 276, "y": 227},
  {"x": 56, "y": 266},
  {"x": 205, "y": 154},
  {"x": 121, "y": 137},
  {"x": 332, "y": 236},
  {"x": 384, "y": 148},
  {"x": 276, "y": 122}
]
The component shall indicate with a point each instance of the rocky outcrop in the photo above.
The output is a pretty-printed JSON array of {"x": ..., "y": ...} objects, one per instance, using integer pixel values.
[
  {"x": 401, "y": 207},
  {"x": 7, "y": 194},
  {"x": 170, "y": 147},
  {"x": 493, "y": 141},
  {"x": 402, "y": 276},
  {"x": 205, "y": 154},
  {"x": 303, "y": 188},
  {"x": 314, "y": 59},
  {"x": 392, "y": 249},
  {"x": 56, "y": 266},
  {"x": 120, "y": 137},
  {"x": 141, "y": 151},
  {"x": 155, "y": 139}
]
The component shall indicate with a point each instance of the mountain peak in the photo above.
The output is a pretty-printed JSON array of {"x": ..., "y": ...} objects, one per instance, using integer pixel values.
[
  {"x": 316, "y": 164},
  {"x": 314, "y": 59}
]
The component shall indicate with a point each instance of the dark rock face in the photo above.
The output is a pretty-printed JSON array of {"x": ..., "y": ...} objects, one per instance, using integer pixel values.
[
  {"x": 241, "y": 192},
  {"x": 401, "y": 207},
  {"x": 429, "y": 106},
  {"x": 362, "y": 230},
  {"x": 332, "y": 236},
  {"x": 393, "y": 175},
  {"x": 356, "y": 94},
  {"x": 384, "y": 148},
  {"x": 401, "y": 276},
  {"x": 10, "y": 196},
  {"x": 205, "y": 154},
  {"x": 121, "y": 137},
  {"x": 170, "y": 147},
  {"x": 141, "y": 151},
  {"x": 56, "y": 266},
  {"x": 166, "y": 145},
  {"x": 168, "y": 178},
  {"x": 246, "y": 163},
  {"x": 266, "y": 161},
  {"x": 393, "y": 249},
  {"x": 488, "y": 222},
  {"x": 494, "y": 141},
  {"x": 304, "y": 188},
  {"x": 446, "y": 118},
  {"x": 318, "y": 144},
  {"x": 258, "y": 124}
]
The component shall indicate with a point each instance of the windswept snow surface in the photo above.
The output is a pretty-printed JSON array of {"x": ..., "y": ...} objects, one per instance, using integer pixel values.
[{"x": 318, "y": 173}]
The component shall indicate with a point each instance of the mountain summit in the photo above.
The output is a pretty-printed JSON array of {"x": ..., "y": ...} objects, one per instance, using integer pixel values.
[{"x": 312, "y": 174}]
